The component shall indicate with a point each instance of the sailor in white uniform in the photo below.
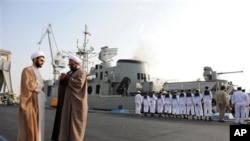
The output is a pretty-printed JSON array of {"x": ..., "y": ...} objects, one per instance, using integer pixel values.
[
  {"x": 239, "y": 100},
  {"x": 138, "y": 102},
  {"x": 182, "y": 104},
  {"x": 207, "y": 99},
  {"x": 247, "y": 104},
  {"x": 190, "y": 103},
  {"x": 152, "y": 99},
  {"x": 168, "y": 103},
  {"x": 198, "y": 105},
  {"x": 175, "y": 104},
  {"x": 146, "y": 104},
  {"x": 160, "y": 104}
]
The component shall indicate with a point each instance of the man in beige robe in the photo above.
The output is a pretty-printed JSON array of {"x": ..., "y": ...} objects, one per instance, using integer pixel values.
[
  {"x": 32, "y": 98},
  {"x": 222, "y": 102},
  {"x": 75, "y": 106}
]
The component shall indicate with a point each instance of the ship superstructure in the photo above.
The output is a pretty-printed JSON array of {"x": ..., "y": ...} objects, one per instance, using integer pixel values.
[
  {"x": 110, "y": 87},
  {"x": 211, "y": 80}
]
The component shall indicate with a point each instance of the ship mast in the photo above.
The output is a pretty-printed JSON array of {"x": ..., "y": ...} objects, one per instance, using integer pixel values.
[{"x": 83, "y": 53}]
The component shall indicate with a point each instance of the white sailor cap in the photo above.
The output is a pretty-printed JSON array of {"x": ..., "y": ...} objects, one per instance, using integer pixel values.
[
  {"x": 75, "y": 59},
  {"x": 164, "y": 92},
  {"x": 138, "y": 91},
  {"x": 37, "y": 54}
]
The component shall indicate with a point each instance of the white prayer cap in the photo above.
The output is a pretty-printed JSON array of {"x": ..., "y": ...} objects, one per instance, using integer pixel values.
[
  {"x": 75, "y": 59},
  {"x": 37, "y": 54}
]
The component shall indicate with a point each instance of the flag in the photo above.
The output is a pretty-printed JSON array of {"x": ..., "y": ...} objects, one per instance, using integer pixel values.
[{"x": 88, "y": 33}]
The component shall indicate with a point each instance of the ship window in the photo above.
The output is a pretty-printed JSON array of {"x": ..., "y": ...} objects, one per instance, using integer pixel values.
[
  {"x": 142, "y": 76},
  {"x": 138, "y": 76},
  {"x": 101, "y": 75},
  {"x": 100, "y": 66},
  {"x": 90, "y": 89},
  {"x": 96, "y": 75},
  {"x": 96, "y": 67},
  {"x": 98, "y": 88}
]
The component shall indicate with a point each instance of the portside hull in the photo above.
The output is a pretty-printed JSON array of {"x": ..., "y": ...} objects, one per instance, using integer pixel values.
[{"x": 111, "y": 102}]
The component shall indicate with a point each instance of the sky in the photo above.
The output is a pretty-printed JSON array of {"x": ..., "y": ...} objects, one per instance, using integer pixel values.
[{"x": 177, "y": 38}]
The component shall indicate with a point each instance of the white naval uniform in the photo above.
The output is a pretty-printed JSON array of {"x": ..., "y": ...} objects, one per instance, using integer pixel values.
[
  {"x": 175, "y": 104},
  {"x": 207, "y": 99},
  {"x": 41, "y": 103},
  {"x": 190, "y": 103},
  {"x": 146, "y": 104},
  {"x": 152, "y": 103},
  {"x": 197, "y": 104},
  {"x": 247, "y": 106},
  {"x": 168, "y": 104},
  {"x": 160, "y": 103},
  {"x": 239, "y": 99},
  {"x": 138, "y": 103},
  {"x": 182, "y": 103}
]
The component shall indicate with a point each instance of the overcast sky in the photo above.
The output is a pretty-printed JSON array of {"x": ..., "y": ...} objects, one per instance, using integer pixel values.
[{"x": 176, "y": 37}]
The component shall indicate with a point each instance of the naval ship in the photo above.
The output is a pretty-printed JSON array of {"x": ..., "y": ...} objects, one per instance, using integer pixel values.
[
  {"x": 109, "y": 87},
  {"x": 113, "y": 87}
]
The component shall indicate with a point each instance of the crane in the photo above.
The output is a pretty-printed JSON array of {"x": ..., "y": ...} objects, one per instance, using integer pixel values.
[{"x": 57, "y": 57}]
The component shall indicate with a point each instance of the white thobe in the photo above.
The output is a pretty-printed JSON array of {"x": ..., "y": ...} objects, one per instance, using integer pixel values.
[{"x": 41, "y": 103}]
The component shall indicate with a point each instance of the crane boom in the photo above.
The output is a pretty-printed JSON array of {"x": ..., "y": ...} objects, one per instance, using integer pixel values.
[{"x": 56, "y": 58}]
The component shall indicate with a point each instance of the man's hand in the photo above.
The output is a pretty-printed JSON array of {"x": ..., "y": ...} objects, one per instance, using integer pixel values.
[{"x": 62, "y": 76}]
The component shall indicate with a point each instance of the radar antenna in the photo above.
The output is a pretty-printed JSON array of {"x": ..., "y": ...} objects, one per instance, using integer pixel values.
[{"x": 107, "y": 54}]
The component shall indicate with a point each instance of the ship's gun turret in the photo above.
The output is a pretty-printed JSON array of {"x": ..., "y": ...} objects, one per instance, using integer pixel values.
[
  {"x": 219, "y": 73},
  {"x": 209, "y": 74}
]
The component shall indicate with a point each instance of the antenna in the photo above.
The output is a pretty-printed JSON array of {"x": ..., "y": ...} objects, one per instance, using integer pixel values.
[{"x": 84, "y": 53}]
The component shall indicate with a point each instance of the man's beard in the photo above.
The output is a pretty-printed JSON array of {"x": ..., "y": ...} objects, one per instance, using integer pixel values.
[
  {"x": 38, "y": 65},
  {"x": 73, "y": 68}
]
